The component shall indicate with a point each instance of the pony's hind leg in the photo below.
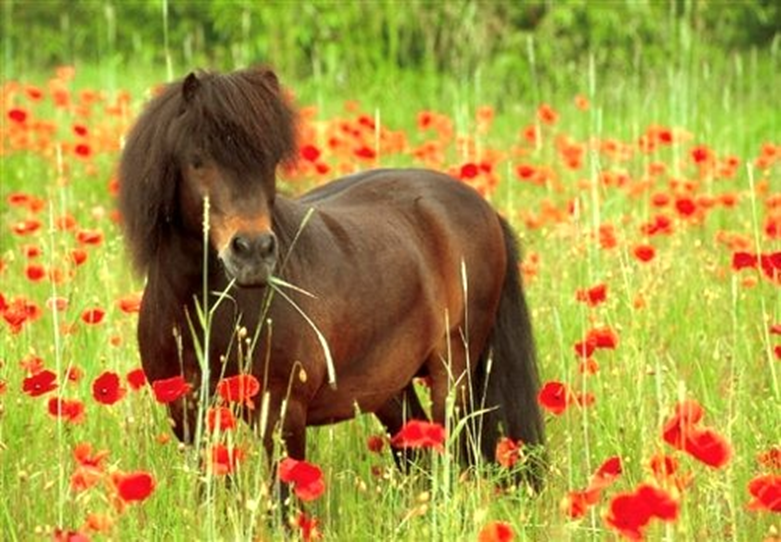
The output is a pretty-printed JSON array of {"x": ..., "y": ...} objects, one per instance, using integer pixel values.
[{"x": 400, "y": 409}]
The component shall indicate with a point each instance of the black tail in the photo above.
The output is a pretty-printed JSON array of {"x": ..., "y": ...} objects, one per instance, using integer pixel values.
[{"x": 506, "y": 375}]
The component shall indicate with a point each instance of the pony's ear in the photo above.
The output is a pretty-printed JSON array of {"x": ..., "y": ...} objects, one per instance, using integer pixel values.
[
  {"x": 190, "y": 86},
  {"x": 270, "y": 78}
]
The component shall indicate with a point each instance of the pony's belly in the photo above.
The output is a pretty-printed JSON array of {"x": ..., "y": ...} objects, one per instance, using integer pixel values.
[{"x": 350, "y": 398}]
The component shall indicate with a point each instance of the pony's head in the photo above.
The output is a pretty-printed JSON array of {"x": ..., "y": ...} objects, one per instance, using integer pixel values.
[{"x": 215, "y": 138}]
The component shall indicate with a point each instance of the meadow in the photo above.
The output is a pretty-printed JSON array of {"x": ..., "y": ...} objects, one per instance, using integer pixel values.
[{"x": 650, "y": 219}]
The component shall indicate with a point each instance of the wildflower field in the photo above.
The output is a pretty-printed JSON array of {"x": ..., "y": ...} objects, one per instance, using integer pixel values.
[{"x": 650, "y": 221}]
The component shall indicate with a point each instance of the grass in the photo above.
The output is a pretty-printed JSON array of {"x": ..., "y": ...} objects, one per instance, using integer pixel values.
[{"x": 688, "y": 325}]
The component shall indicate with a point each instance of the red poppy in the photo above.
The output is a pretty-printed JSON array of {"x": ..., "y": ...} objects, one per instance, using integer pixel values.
[
  {"x": 170, "y": 389},
  {"x": 593, "y": 296},
  {"x": 687, "y": 414},
  {"x": 310, "y": 153},
  {"x": 239, "y": 389},
  {"x": 83, "y": 150},
  {"x": 770, "y": 458},
  {"x": 89, "y": 237},
  {"x": 608, "y": 471},
  {"x": 508, "y": 452},
  {"x": 496, "y": 531},
  {"x": 644, "y": 253},
  {"x": 220, "y": 418},
  {"x": 35, "y": 272},
  {"x": 307, "y": 479},
  {"x": 547, "y": 115},
  {"x": 224, "y": 460},
  {"x": 62, "y": 535},
  {"x": 584, "y": 349},
  {"x": 107, "y": 388},
  {"x": 365, "y": 153},
  {"x": 71, "y": 411},
  {"x": 130, "y": 303},
  {"x": 765, "y": 491},
  {"x": 308, "y": 527},
  {"x": 469, "y": 171},
  {"x": 78, "y": 256},
  {"x": 83, "y": 455},
  {"x": 602, "y": 337},
  {"x": 420, "y": 434},
  {"x": 134, "y": 486},
  {"x": 40, "y": 383},
  {"x": 685, "y": 206},
  {"x": 630, "y": 513},
  {"x": 742, "y": 260},
  {"x": 555, "y": 397},
  {"x": 17, "y": 115},
  {"x": 775, "y": 329},
  {"x": 577, "y": 503},
  {"x": 708, "y": 446},
  {"x": 26, "y": 227},
  {"x": 93, "y": 316},
  {"x": 375, "y": 443},
  {"x": 136, "y": 379}
]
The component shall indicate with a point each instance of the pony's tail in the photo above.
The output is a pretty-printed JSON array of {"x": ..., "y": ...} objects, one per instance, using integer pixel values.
[{"x": 506, "y": 380}]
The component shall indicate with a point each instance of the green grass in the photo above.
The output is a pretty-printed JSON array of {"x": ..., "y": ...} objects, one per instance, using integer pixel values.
[{"x": 702, "y": 333}]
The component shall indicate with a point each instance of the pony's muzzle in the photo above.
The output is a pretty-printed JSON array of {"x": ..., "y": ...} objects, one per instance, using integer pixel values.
[{"x": 250, "y": 257}]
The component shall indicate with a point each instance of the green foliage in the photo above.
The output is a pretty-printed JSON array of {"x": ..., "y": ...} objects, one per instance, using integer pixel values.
[{"x": 512, "y": 44}]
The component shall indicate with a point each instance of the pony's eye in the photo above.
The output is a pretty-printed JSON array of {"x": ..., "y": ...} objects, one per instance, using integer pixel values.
[{"x": 196, "y": 161}]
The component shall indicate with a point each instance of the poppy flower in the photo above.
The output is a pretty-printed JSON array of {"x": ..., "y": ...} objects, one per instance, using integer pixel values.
[
  {"x": 170, "y": 389},
  {"x": 239, "y": 389},
  {"x": 420, "y": 434},
  {"x": 82, "y": 150},
  {"x": 32, "y": 364},
  {"x": 630, "y": 513},
  {"x": 35, "y": 272},
  {"x": 93, "y": 316},
  {"x": 136, "y": 379},
  {"x": 554, "y": 397},
  {"x": 547, "y": 115},
  {"x": 71, "y": 411},
  {"x": 78, "y": 256},
  {"x": 375, "y": 443},
  {"x": 770, "y": 458},
  {"x": 602, "y": 337},
  {"x": 224, "y": 460},
  {"x": 576, "y": 503},
  {"x": 220, "y": 418},
  {"x": 508, "y": 452},
  {"x": 135, "y": 486},
  {"x": 307, "y": 479},
  {"x": 687, "y": 414},
  {"x": 308, "y": 527},
  {"x": 742, "y": 260},
  {"x": 26, "y": 227},
  {"x": 84, "y": 457},
  {"x": 592, "y": 296},
  {"x": 365, "y": 153},
  {"x": 310, "y": 153},
  {"x": 496, "y": 531},
  {"x": 89, "y": 237},
  {"x": 107, "y": 388},
  {"x": 765, "y": 491},
  {"x": 17, "y": 115},
  {"x": 130, "y": 303},
  {"x": 469, "y": 171},
  {"x": 40, "y": 383},
  {"x": 644, "y": 253},
  {"x": 708, "y": 446},
  {"x": 62, "y": 535}
]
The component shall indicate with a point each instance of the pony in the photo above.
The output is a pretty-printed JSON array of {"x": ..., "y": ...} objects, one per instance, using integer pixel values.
[{"x": 387, "y": 275}]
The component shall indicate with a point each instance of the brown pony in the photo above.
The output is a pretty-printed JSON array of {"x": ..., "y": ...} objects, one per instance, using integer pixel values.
[{"x": 412, "y": 274}]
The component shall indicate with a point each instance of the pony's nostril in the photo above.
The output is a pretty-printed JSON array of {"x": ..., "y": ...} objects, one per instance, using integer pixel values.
[
  {"x": 267, "y": 244},
  {"x": 262, "y": 245},
  {"x": 241, "y": 245}
]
